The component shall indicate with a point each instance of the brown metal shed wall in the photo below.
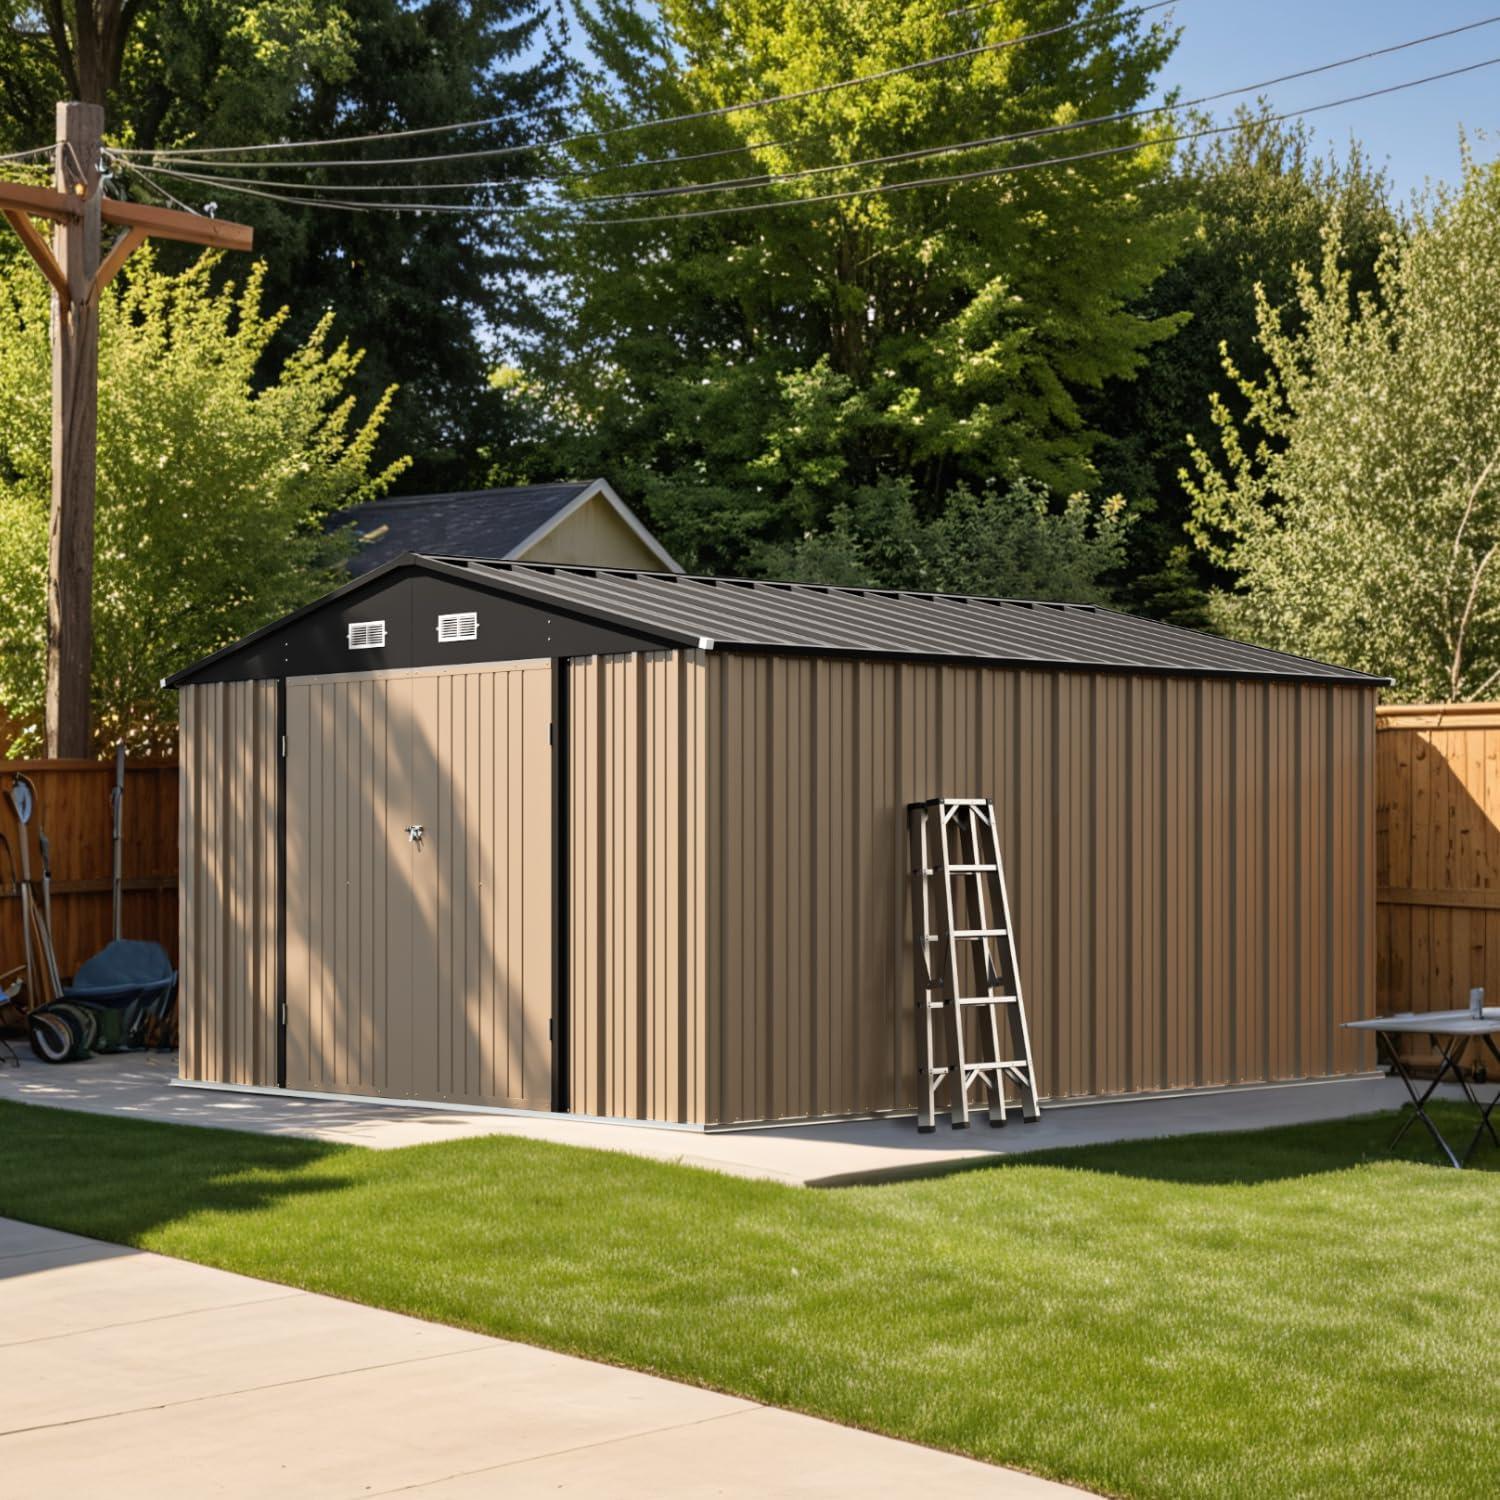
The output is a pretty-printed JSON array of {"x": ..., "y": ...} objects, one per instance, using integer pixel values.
[
  {"x": 1190, "y": 863},
  {"x": 227, "y": 890},
  {"x": 637, "y": 880}
]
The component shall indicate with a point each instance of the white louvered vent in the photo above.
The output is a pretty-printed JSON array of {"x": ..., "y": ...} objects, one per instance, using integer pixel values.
[
  {"x": 460, "y": 627},
  {"x": 366, "y": 635}
]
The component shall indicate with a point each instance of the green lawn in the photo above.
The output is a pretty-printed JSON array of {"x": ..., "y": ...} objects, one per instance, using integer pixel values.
[{"x": 1286, "y": 1313}]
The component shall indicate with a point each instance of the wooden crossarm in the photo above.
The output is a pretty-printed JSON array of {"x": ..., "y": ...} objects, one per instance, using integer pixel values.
[
  {"x": 173, "y": 224},
  {"x": 161, "y": 223},
  {"x": 39, "y": 202}
]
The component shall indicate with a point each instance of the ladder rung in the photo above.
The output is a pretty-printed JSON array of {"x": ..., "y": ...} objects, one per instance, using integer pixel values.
[
  {"x": 989, "y": 1067},
  {"x": 971, "y": 869},
  {"x": 985, "y": 1000},
  {"x": 978, "y": 932}
]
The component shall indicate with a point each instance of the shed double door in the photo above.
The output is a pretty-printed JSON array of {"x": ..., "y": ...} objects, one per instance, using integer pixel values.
[{"x": 419, "y": 885}]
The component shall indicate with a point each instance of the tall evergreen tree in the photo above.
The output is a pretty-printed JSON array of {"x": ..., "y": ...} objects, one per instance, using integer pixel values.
[{"x": 419, "y": 292}]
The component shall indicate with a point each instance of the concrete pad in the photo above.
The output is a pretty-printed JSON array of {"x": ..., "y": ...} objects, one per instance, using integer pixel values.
[
  {"x": 47, "y": 1294},
  {"x": 17, "y": 1238},
  {"x": 827, "y": 1154},
  {"x": 747, "y": 1456},
  {"x": 218, "y": 1350},
  {"x": 307, "y": 1396}
]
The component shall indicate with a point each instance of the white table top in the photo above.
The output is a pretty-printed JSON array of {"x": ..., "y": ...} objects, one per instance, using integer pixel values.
[{"x": 1435, "y": 1022}]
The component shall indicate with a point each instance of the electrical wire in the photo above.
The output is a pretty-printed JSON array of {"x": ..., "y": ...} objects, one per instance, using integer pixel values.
[
  {"x": 171, "y": 198},
  {"x": 983, "y": 173},
  {"x": 919, "y": 153},
  {"x": 905, "y": 185},
  {"x": 550, "y": 177},
  {"x": 719, "y": 112}
]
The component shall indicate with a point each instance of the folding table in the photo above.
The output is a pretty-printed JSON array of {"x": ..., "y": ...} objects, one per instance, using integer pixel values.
[{"x": 1451, "y": 1032}]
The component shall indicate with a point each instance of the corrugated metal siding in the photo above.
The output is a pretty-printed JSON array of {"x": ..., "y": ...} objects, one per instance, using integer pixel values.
[
  {"x": 421, "y": 970},
  {"x": 638, "y": 880},
  {"x": 1190, "y": 866},
  {"x": 227, "y": 884}
]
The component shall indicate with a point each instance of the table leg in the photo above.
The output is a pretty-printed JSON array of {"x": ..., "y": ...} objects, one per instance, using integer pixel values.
[
  {"x": 1485, "y": 1123},
  {"x": 1419, "y": 1103}
]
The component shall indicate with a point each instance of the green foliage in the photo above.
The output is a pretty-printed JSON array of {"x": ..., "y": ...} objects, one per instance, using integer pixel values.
[
  {"x": 420, "y": 293},
  {"x": 1260, "y": 199},
  {"x": 1357, "y": 501},
  {"x": 743, "y": 377},
  {"x": 214, "y": 476},
  {"x": 1007, "y": 542}
]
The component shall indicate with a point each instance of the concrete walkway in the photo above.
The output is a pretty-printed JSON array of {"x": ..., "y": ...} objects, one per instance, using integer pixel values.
[
  {"x": 144, "y": 1378},
  {"x": 142, "y": 1086}
]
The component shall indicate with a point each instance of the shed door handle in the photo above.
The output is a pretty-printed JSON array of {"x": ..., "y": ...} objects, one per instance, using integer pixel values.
[{"x": 414, "y": 833}]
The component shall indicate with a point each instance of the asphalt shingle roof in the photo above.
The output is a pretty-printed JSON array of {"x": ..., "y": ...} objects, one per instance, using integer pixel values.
[{"x": 461, "y": 523}]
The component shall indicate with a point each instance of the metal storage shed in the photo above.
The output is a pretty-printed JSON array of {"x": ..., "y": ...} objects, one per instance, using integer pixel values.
[{"x": 633, "y": 845}]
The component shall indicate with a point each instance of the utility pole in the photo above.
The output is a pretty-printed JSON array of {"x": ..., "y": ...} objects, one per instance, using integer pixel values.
[
  {"x": 75, "y": 411},
  {"x": 72, "y": 263}
]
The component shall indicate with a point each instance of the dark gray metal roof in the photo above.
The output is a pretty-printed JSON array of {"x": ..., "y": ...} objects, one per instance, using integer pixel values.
[
  {"x": 459, "y": 523},
  {"x": 735, "y": 614}
]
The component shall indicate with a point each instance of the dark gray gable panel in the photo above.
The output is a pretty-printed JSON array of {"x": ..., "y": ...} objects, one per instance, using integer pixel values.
[{"x": 315, "y": 642}]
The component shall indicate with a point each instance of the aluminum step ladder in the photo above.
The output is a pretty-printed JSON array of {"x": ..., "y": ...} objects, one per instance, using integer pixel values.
[{"x": 966, "y": 964}]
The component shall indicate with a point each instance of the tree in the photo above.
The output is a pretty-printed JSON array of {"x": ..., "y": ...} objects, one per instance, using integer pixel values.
[
  {"x": 1006, "y": 542},
  {"x": 419, "y": 292},
  {"x": 165, "y": 63},
  {"x": 1357, "y": 502},
  {"x": 1260, "y": 199},
  {"x": 215, "y": 476},
  {"x": 742, "y": 377}
]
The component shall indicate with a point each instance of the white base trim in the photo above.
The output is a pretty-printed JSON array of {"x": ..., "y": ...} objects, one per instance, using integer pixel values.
[
  {"x": 1049, "y": 1105},
  {"x": 269, "y": 1090}
]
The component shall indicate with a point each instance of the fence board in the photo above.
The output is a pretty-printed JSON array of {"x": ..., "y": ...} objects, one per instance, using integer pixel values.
[
  {"x": 73, "y": 810},
  {"x": 1437, "y": 854}
]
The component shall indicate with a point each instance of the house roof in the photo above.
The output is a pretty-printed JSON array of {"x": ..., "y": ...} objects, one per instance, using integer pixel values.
[
  {"x": 732, "y": 614},
  {"x": 739, "y": 614},
  {"x": 475, "y": 523}
]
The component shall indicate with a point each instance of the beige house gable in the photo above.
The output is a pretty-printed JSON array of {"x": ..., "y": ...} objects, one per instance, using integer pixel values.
[{"x": 595, "y": 534}]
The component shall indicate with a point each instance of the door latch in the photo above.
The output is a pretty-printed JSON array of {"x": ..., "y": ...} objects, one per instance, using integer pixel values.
[{"x": 414, "y": 834}]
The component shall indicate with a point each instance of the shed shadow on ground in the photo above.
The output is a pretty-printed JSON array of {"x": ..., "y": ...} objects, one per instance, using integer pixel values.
[
  {"x": 122, "y": 1183},
  {"x": 1251, "y": 1158}
]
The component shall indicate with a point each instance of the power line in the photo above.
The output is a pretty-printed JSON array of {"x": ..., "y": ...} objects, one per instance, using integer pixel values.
[
  {"x": 802, "y": 174},
  {"x": 590, "y": 135},
  {"x": 945, "y": 180},
  {"x": 551, "y": 177},
  {"x": 158, "y": 187},
  {"x": 1058, "y": 161}
]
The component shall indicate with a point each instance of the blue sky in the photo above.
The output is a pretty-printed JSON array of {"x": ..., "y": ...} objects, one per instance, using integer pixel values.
[{"x": 1227, "y": 43}]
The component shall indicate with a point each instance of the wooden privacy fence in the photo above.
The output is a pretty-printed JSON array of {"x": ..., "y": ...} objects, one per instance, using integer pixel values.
[
  {"x": 1437, "y": 853},
  {"x": 73, "y": 810}
]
